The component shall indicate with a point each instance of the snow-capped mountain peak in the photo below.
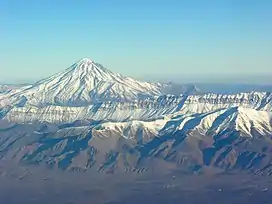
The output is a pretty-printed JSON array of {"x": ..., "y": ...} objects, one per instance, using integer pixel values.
[
  {"x": 88, "y": 68},
  {"x": 86, "y": 82},
  {"x": 84, "y": 68},
  {"x": 86, "y": 60}
]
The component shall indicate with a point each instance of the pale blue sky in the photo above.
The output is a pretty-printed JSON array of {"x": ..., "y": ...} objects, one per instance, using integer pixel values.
[{"x": 157, "y": 39}]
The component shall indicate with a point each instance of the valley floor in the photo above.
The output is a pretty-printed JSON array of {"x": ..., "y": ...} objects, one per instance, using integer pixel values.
[{"x": 31, "y": 185}]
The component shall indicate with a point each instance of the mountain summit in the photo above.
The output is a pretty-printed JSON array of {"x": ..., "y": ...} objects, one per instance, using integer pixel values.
[{"x": 88, "y": 68}]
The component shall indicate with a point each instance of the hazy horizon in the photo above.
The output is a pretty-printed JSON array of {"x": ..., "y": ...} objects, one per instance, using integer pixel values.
[{"x": 179, "y": 79}]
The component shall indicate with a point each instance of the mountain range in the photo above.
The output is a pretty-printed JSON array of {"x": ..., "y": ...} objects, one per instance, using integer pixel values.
[{"x": 89, "y": 118}]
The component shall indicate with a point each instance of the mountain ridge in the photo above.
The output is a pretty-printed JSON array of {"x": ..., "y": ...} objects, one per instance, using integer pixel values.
[
  {"x": 142, "y": 109},
  {"x": 219, "y": 139}
]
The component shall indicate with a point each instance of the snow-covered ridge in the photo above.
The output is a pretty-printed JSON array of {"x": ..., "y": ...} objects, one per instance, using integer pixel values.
[
  {"x": 139, "y": 110},
  {"x": 248, "y": 122},
  {"x": 178, "y": 138}
]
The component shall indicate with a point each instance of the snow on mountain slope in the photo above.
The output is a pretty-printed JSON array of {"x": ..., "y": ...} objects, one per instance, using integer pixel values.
[
  {"x": 60, "y": 114},
  {"x": 209, "y": 102},
  {"x": 7, "y": 88},
  {"x": 215, "y": 123},
  {"x": 12, "y": 96},
  {"x": 227, "y": 138},
  {"x": 139, "y": 110},
  {"x": 87, "y": 82},
  {"x": 244, "y": 120},
  {"x": 141, "y": 130},
  {"x": 4, "y": 88}
]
